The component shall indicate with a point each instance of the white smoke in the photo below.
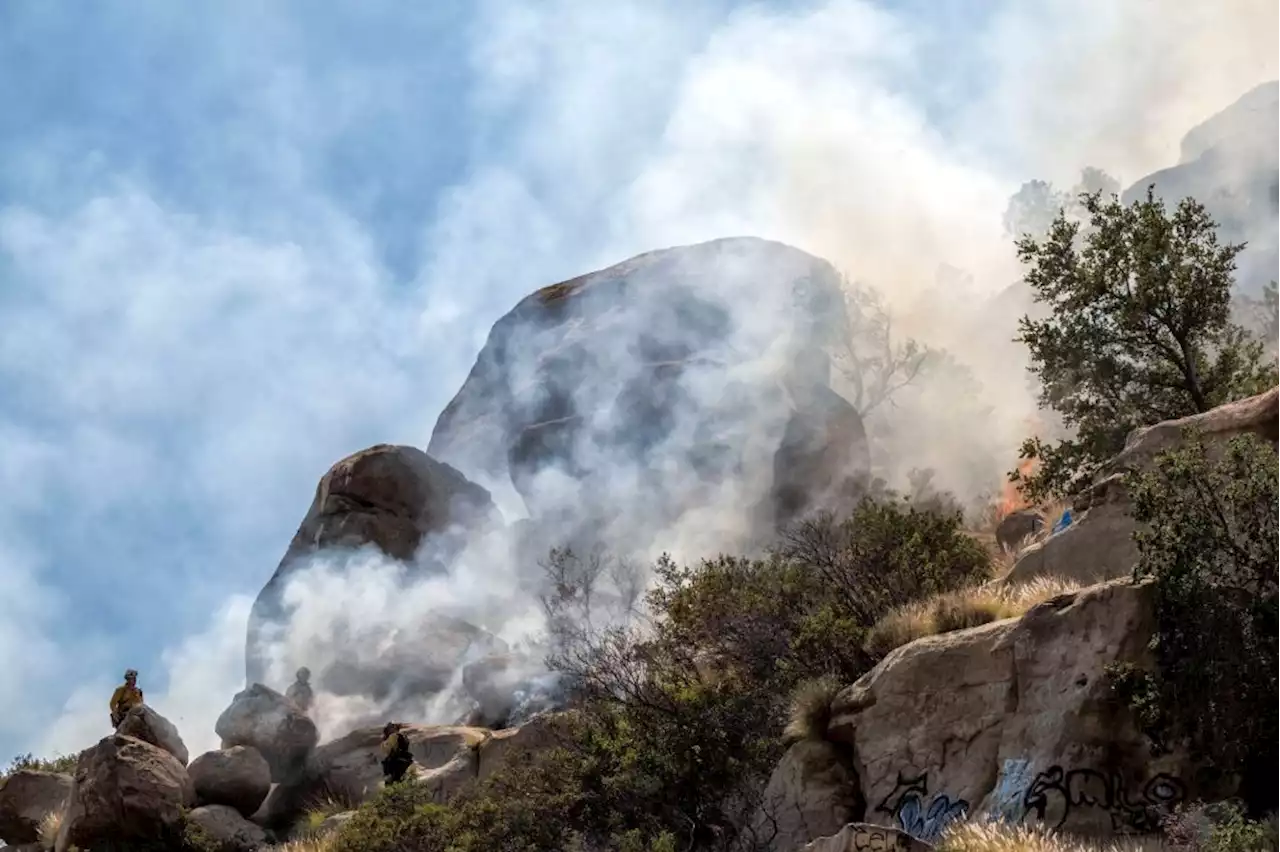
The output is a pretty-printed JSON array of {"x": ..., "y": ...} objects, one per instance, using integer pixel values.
[{"x": 632, "y": 126}]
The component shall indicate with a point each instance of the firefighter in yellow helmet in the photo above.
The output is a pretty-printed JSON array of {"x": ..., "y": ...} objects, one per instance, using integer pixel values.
[{"x": 126, "y": 697}]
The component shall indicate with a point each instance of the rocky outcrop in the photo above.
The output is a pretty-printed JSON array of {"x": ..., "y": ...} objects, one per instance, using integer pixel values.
[
  {"x": 237, "y": 777},
  {"x": 1230, "y": 164},
  {"x": 501, "y": 747},
  {"x": 125, "y": 790},
  {"x": 864, "y": 837},
  {"x": 26, "y": 798},
  {"x": 264, "y": 720},
  {"x": 227, "y": 828},
  {"x": 446, "y": 757},
  {"x": 694, "y": 375},
  {"x": 1013, "y": 719},
  {"x": 1098, "y": 545},
  {"x": 391, "y": 497},
  {"x": 144, "y": 723},
  {"x": 812, "y": 793}
]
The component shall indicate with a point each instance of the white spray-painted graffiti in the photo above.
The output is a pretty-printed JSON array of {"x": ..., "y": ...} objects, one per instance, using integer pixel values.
[{"x": 1011, "y": 787}]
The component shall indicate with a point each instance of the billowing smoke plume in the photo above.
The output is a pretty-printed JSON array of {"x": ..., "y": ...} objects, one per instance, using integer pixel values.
[{"x": 645, "y": 126}]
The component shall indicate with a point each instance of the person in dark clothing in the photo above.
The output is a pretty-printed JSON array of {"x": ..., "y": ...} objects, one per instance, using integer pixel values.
[{"x": 396, "y": 757}]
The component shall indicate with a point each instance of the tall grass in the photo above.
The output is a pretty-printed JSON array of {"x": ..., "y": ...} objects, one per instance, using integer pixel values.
[
  {"x": 1003, "y": 837},
  {"x": 961, "y": 609}
]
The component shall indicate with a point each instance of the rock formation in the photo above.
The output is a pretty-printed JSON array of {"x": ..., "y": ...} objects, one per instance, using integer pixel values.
[
  {"x": 264, "y": 720},
  {"x": 1230, "y": 164},
  {"x": 393, "y": 498},
  {"x": 226, "y": 827},
  {"x": 813, "y": 792},
  {"x": 145, "y": 724},
  {"x": 446, "y": 757},
  {"x": 125, "y": 790},
  {"x": 26, "y": 798},
  {"x": 237, "y": 777},
  {"x": 693, "y": 375},
  {"x": 1099, "y": 543},
  {"x": 1012, "y": 720}
]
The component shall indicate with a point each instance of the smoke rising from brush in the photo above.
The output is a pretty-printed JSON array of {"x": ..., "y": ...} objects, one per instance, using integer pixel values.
[{"x": 833, "y": 127}]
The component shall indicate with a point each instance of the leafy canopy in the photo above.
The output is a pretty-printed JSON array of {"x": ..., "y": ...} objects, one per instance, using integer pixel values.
[{"x": 1139, "y": 330}]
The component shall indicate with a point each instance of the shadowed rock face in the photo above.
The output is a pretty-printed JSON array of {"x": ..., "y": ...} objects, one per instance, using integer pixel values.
[
  {"x": 1230, "y": 164},
  {"x": 392, "y": 497},
  {"x": 681, "y": 378}
]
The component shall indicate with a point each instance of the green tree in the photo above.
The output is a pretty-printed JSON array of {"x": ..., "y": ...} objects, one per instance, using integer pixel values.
[
  {"x": 1139, "y": 330},
  {"x": 1208, "y": 541}
]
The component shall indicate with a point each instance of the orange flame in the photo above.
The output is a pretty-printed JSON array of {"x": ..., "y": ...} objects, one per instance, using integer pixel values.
[{"x": 1011, "y": 500}]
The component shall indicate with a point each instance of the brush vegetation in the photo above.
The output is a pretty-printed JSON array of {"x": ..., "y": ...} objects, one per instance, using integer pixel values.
[{"x": 963, "y": 608}]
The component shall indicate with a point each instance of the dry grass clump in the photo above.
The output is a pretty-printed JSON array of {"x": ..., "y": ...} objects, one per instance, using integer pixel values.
[
  {"x": 320, "y": 809},
  {"x": 810, "y": 712},
  {"x": 958, "y": 610},
  {"x": 1004, "y": 837},
  {"x": 49, "y": 828},
  {"x": 313, "y": 843}
]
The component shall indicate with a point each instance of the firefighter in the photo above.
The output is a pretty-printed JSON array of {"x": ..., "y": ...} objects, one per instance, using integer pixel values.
[
  {"x": 396, "y": 757},
  {"x": 125, "y": 698},
  {"x": 300, "y": 691}
]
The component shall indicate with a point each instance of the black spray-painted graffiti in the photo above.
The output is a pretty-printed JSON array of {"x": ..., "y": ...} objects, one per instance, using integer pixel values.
[
  {"x": 906, "y": 804},
  {"x": 871, "y": 839},
  {"x": 1057, "y": 793}
]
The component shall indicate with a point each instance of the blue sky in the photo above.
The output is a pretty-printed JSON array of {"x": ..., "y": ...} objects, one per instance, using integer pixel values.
[{"x": 240, "y": 240}]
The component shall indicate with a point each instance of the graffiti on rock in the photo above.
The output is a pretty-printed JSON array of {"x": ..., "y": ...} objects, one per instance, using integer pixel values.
[
  {"x": 1012, "y": 785},
  {"x": 1057, "y": 793},
  {"x": 869, "y": 839},
  {"x": 907, "y": 805}
]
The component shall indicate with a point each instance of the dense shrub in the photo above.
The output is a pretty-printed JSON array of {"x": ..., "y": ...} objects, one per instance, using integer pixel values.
[{"x": 1209, "y": 543}]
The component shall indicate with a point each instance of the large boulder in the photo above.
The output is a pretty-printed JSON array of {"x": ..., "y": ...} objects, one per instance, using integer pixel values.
[
  {"x": 1098, "y": 545},
  {"x": 1014, "y": 719},
  {"x": 227, "y": 828},
  {"x": 144, "y": 723},
  {"x": 389, "y": 497},
  {"x": 623, "y": 402},
  {"x": 266, "y": 721},
  {"x": 26, "y": 798},
  {"x": 350, "y": 767},
  {"x": 238, "y": 777},
  {"x": 125, "y": 790}
]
